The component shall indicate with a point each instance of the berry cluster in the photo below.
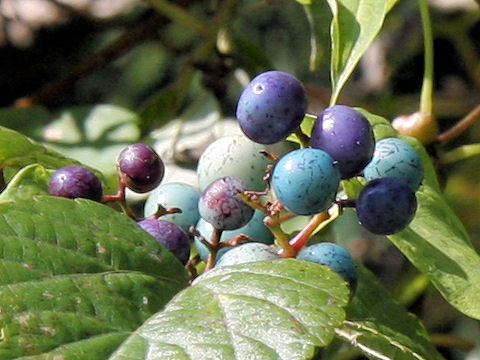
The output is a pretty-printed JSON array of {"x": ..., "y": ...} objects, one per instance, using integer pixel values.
[{"x": 246, "y": 189}]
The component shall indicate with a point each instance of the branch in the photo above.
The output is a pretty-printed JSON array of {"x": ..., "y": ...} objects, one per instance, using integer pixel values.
[{"x": 460, "y": 126}]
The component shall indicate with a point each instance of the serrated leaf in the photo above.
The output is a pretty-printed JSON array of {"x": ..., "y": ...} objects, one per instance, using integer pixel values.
[
  {"x": 76, "y": 277},
  {"x": 280, "y": 309},
  {"x": 381, "y": 328},
  {"x": 354, "y": 26},
  {"x": 436, "y": 241},
  {"x": 30, "y": 180}
]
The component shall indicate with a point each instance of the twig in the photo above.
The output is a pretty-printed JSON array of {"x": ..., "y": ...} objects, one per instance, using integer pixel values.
[
  {"x": 460, "y": 126},
  {"x": 122, "y": 45}
]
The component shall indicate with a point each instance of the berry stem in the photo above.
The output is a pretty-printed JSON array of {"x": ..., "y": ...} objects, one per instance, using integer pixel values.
[
  {"x": 470, "y": 119},
  {"x": 299, "y": 240},
  {"x": 302, "y": 138},
  {"x": 460, "y": 153},
  {"x": 426, "y": 97},
  {"x": 281, "y": 238},
  {"x": 213, "y": 248}
]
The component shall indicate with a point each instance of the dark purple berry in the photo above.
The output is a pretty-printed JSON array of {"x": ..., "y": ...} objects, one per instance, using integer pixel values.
[
  {"x": 347, "y": 136},
  {"x": 75, "y": 181},
  {"x": 222, "y": 206},
  {"x": 140, "y": 168},
  {"x": 170, "y": 235},
  {"x": 271, "y": 107},
  {"x": 386, "y": 206}
]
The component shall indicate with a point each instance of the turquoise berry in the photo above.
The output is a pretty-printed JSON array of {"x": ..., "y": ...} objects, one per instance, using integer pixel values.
[{"x": 248, "y": 252}]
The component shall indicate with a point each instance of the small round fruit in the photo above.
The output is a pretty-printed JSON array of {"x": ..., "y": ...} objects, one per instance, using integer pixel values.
[
  {"x": 248, "y": 252},
  {"x": 386, "y": 206},
  {"x": 271, "y": 107},
  {"x": 333, "y": 256},
  {"x": 255, "y": 228},
  {"x": 347, "y": 136},
  {"x": 233, "y": 155},
  {"x": 175, "y": 195},
  {"x": 140, "y": 168},
  {"x": 170, "y": 235},
  {"x": 395, "y": 157},
  {"x": 306, "y": 181},
  {"x": 75, "y": 181},
  {"x": 221, "y": 205},
  {"x": 420, "y": 125}
]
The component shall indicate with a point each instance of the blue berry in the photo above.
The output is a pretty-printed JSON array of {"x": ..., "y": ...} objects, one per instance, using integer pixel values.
[
  {"x": 255, "y": 228},
  {"x": 170, "y": 235},
  {"x": 306, "y": 181},
  {"x": 333, "y": 256},
  {"x": 395, "y": 157},
  {"x": 175, "y": 195},
  {"x": 75, "y": 181},
  {"x": 271, "y": 107},
  {"x": 140, "y": 168},
  {"x": 236, "y": 156},
  {"x": 248, "y": 252},
  {"x": 386, "y": 206},
  {"x": 221, "y": 205},
  {"x": 347, "y": 136}
]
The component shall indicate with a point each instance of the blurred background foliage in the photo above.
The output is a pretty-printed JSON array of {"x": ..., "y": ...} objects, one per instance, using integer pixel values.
[{"x": 89, "y": 76}]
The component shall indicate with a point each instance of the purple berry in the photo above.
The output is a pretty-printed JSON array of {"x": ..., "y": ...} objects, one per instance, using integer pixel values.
[
  {"x": 222, "y": 206},
  {"x": 75, "y": 181},
  {"x": 347, "y": 136},
  {"x": 386, "y": 206},
  {"x": 170, "y": 235},
  {"x": 271, "y": 107},
  {"x": 140, "y": 168}
]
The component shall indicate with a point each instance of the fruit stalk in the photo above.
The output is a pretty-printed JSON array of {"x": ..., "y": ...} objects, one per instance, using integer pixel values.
[{"x": 426, "y": 97}]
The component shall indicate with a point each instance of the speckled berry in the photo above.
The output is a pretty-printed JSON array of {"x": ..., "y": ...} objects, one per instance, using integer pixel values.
[
  {"x": 255, "y": 228},
  {"x": 386, "y": 206},
  {"x": 175, "y": 195},
  {"x": 306, "y": 181},
  {"x": 271, "y": 107},
  {"x": 221, "y": 205},
  {"x": 169, "y": 235},
  {"x": 333, "y": 256},
  {"x": 248, "y": 252},
  {"x": 347, "y": 136},
  {"x": 75, "y": 181},
  {"x": 140, "y": 168},
  {"x": 236, "y": 156},
  {"x": 395, "y": 157}
]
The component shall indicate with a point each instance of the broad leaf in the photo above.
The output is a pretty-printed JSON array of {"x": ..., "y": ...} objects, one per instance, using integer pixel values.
[
  {"x": 280, "y": 309},
  {"x": 76, "y": 277},
  {"x": 29, "y": 181},
  {"x": 436, "y": 242},
  {"x": 354, "y": 26},
  {"x": 381, "y": 328}
]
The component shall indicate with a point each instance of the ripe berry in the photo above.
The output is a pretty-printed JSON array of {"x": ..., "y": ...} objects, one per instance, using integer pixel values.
[
  {"x": 175, "y": 195},
  {"x": 75, "y": 181},
  {"x": 221, "y": 205},
  {"x": 386, "y": 206},
  {"x": 170, "y": 235},
  {"x": 248, "y": 252},
  {"x": 140, "y": 168},
  {"x": 271, "y": 107},
  {"x": 236, "y": 156},
  {"x": 306, "y": 181},
  {"x": 333, "y": 256},
  {"x": 395, "y": 157},
  {"x": 255, "y": 229},
  {"x": 347, "y": 136}
]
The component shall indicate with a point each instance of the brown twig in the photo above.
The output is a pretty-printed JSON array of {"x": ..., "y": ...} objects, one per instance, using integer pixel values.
[
  {"x": 460, "y": 126},
  {"x": 129, "y": 39}
]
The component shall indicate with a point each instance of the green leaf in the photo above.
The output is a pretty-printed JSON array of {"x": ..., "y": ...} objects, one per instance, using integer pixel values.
[
  {"x": 17, "y": 150},
  {"x": 318, "y": 17},
  {"x": 93, "y": 135},
  {"x": 280, "y": 309},
  {"x": 436, "y": 241},
  {"x": 30, "y": 180},
  {"x": 354, "y": 26},
  {"x": 29, "y": 121},
  {"x": 381, "y": 328},
  {"x": 76, "y": 277}
]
